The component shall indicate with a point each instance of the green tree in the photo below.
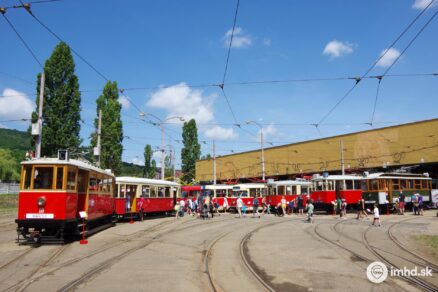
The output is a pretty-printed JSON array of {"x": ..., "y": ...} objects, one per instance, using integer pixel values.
[
  {"x": 168, "y": 169},
  {"x": 149, "y": 170},
  {"x": 62, "y": 103},
  {"x": 9, "y": 167},
  {"x": 191, "y": 151},
  {"x": 111, "y": 129}
]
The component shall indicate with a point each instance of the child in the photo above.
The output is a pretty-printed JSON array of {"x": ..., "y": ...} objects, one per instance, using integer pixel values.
[
  {"x": 376, "y": 215},
  {"x": 310, "y": 212}
]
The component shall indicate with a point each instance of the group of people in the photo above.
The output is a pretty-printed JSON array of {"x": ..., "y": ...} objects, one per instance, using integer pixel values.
[
  {"x": 416, "y": 200},
  {"x": 202, "y": 207}
]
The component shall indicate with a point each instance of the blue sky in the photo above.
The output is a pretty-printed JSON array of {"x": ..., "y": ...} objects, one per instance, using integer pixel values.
[{"x": 148, "y": 44}]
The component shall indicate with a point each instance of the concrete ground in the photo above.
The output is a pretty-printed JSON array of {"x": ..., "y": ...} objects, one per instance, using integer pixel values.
[{"x": 226, "y": 254}]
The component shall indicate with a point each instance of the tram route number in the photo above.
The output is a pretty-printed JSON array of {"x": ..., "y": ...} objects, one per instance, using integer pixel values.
[{"x": 39, "y": 216}]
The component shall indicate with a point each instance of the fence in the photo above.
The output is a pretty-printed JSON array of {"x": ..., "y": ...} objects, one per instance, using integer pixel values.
[{"x": 9, "y": 188}]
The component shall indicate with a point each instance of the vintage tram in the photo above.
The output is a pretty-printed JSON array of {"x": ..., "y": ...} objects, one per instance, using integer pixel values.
[
  {"x": 57, "y": 196},
  {"x": 289, "y": 189},
  {"x": 385, "y": 188},
  {"x": 248, "y": 192},
  {"x": 137, "y": 197}
]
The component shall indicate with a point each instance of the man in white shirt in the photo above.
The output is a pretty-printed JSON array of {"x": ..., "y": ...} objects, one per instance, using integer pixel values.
[
  {"x": 239, "y": 205},
  {"x": 182, "y": 205}
]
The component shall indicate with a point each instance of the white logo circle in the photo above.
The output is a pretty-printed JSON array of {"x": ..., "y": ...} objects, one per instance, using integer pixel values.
[{"x": 377, "y": 272}]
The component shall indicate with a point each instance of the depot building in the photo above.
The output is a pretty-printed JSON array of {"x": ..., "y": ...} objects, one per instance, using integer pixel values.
[{"x": 409, "y": 147}]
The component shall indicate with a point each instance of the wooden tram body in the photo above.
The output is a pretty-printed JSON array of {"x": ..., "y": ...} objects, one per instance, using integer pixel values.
[
  {"x": 140, "y": 196},
  {"x": 328, "y": 188},
  {"x": 52, "y": 194},
  {"x": 383, "y": 188},
  {"x": 290, "y": 189}
]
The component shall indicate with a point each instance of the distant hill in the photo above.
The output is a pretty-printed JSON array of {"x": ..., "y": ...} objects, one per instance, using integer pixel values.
[{"x": 17, "y": 142}]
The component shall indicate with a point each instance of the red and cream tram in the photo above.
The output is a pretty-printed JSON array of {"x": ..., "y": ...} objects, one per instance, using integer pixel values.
[
  {"x": 220, "y": 193},
  {"x": 139, "y": 196},
  {"x": 191, "y": 192},
  {"x": 327, "y": 189},
  {"x": 289, "y": 189},
  {"x": 55, "y": 194},
  {"x": 247, "y": 192}
]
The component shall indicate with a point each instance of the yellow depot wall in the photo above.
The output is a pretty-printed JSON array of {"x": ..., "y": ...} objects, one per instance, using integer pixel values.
[{"x": 397, "y": 145}]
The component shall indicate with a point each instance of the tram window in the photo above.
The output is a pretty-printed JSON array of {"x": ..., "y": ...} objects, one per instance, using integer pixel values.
[
  {"x": 403, "y": 184},
  {"x": 364, "y": 185},
  {"x": 131, "y": 190},
  {"x": 349, "y": 184},
  {"x": 145, "y": 191},
  {"x": 122, "y": 191},
  {"x": 153, "y": 192},
  {"x": 319, "y": 186},
  {"x": 382, "y": 184},
  {"x": 184, "y": 194},
  {"x": 99, "y": 183},
  {"x": 161, "y": 192},
  {"x": 27, "y": 177},
  {"x": 417, "y": 184},
  {"x": 374, "y": 185},
  {"x": 59, "y": 177},
  {"x": 109, "y": 185},
  {"x": 221, "y": 193},
  {"x": 167, "y": 192},
  {"x": 92, "y": 183},
  {"x": 82, "y": 181},
  {"x": 43, "y": 178},
  {"x": 281, "y": 190},
  {"x": 424, "y": 184},
  {"x": 395, "y": 184},
  {"x": 71, "y": 179}
]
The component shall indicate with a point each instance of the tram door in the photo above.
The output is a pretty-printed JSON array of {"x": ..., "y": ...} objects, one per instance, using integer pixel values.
[
  {"x": 82, "y": 190},
  {"x": 130, "y": 199}
]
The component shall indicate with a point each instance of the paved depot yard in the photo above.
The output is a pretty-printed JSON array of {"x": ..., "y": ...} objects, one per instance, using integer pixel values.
[{"x": 225, "y": 254}]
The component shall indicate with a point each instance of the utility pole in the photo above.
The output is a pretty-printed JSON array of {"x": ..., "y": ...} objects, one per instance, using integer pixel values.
[
  {"x": 342, "y": 163},
  {"x": 99, "y": 132},
  {"x": 40, "y": 117},
  {"x": 162, "y": 150},
  {"x": 214, "y": 163}
]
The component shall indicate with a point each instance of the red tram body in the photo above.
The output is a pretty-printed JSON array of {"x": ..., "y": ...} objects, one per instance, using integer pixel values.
[
  {"x": 327, "y": 189},
  {"x": 53, "y": 192},
  {"x": 137, "y": 197},
  {"x": 289, "y": 189}
]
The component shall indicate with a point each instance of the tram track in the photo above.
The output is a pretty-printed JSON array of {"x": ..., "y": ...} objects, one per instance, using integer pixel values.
[
  {"x": 413, "y": 280},
  {"x": 110, "y": 262}
]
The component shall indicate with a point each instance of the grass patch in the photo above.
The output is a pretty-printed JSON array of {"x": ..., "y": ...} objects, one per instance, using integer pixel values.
[
  {"x": 8, "y": 202},
  {"x": 430, "y": 240}
]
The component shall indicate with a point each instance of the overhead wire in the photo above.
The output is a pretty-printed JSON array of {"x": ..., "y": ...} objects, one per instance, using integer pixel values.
[{"x": 374, "y": 64}]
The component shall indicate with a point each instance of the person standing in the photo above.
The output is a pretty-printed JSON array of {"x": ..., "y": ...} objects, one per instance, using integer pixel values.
[
  {"x": 291, "y": 206},
  {"x": 300, "y": 205},
  {"x": 310, "y": 209},
  {"x": 189, "y": 206},
  {"x": 401, "y": 203},
  {"x": 376, "y": 215},
  {"x": 264, "y": 205},
  {"x": 344, "y": 209},
  {"x": 255, "y": 207},
  {"x": 225, "y": 205},
  {"x": 283, "y": 205},
  {"x": 239, "y": 205},
  {"x": 420, "y": 204},
  {"x": 182, "y": 206}
]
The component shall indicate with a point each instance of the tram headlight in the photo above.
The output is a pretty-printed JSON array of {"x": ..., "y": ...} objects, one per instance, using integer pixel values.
[{"x": 41, "y": 202}]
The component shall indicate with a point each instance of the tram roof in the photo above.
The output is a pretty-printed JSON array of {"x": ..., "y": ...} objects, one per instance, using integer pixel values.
[
  {"x": 74, "y": 162},
  {"x": 396, "y": 175},
  {"x": 290, "y": 182},
  {"x": 338, "y": 177},
  {"x": 146, "y": 181}
]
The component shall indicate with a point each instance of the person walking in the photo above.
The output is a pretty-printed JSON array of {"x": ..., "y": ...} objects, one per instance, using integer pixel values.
[
  {"x": 255, "y": 207},
  {"x": 361, "y": 209},
  {"x": 420, "y": 204},
  {"x": 189, "y": 206},
  {"x": 239, "y": 205},
  {"x": 182, "y": 205},
  {"x": 264, "y": 205},
  {"x": 376, "y": 215},
  {"x": 344, "y": 209},
  {"x": 291, "y": 206}
]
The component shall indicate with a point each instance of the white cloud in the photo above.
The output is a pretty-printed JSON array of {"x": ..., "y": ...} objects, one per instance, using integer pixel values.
[
  {"x": 240, "y": 39},
  {"x": 267, "y": 42},
  {"x": 389, "y": 58},
  {"x": 181, "y": 100},
  {"x": 219, "y": 133},
  {"x": 421, "y": 4},
  {"x": 124, "y": 102},
  {"x": 336, "y": 49},
  {"x": 269, "y": 131},
  {"x": 15, "y": 105}
]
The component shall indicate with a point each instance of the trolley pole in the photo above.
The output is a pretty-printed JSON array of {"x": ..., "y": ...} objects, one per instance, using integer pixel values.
[
  {"x": 40, "y": 117},
  {"x": 162, "y": 150},
  {"x": 99, "y": 132},
  {"x": 214, "y": 163}
]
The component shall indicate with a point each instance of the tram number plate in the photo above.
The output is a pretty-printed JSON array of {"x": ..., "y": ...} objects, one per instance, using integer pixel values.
[{"x": 39, "y": 216}]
